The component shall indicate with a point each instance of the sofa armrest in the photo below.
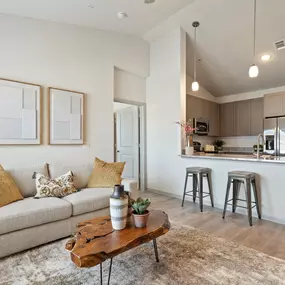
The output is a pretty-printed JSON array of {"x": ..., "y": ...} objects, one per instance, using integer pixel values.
[{"x": 131, "y": 186}]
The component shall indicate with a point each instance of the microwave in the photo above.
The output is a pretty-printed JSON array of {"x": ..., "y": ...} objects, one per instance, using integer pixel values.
[{"x": 201, "y": 126}]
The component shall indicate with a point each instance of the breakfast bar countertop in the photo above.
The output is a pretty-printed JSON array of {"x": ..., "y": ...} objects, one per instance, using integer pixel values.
[{"x": 238, "y": 157}]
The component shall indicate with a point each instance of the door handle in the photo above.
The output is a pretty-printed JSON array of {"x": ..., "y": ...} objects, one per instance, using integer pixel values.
[{"x": 118, "y": 151}]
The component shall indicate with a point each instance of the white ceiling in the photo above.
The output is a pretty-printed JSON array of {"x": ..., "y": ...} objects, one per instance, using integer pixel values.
[
  {"x": 225, "y": 40},
  {"x": 142, "y": 17},
  {"x": 224, "y": 37}
]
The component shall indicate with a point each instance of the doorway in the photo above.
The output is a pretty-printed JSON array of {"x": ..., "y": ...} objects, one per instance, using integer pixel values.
[{"x": 129, "y": 139}]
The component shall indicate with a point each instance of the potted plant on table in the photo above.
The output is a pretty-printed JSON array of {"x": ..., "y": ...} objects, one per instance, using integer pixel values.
[
  {"x": 189, "y": 130},
  {"x": 219, "y": 144},
  {"x": 140, "y": 212}
]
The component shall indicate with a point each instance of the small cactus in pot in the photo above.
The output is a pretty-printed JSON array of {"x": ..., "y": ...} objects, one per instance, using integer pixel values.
[{"x": 140, "y": 212}]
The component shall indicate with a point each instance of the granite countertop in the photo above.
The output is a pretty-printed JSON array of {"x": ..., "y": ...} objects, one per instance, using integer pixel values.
[{"x": 239, "y": 157}]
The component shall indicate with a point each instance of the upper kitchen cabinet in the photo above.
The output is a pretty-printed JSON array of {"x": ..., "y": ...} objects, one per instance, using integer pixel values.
[
  {"x": 242, "y": 118},
  {"x": 256, "y": 116},
  {"x": 201, "y": 108},
  {"x": 214, "y": 119},
  {"x": 197, "y": 108},
  {"x": 194, "y": 107},
  {"x": 227, "y": 119},
  {"x": 274, "y": 105}
]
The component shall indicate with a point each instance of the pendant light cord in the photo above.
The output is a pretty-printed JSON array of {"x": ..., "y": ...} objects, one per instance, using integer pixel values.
[
  {"x": 254, "y": 32},
  {"x": 195, "y": 47}
]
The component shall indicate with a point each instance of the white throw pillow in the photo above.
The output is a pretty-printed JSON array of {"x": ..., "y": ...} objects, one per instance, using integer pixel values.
[{"x": 59, "y": 187}]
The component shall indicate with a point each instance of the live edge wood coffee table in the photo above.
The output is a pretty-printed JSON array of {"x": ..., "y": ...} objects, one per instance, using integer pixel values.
[{"x": 96, "y": 241}]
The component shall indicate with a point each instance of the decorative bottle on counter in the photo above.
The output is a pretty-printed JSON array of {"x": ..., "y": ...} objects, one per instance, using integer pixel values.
[
  {"x": 119, "y": 207},
  {"x": 189, "y": 149}
]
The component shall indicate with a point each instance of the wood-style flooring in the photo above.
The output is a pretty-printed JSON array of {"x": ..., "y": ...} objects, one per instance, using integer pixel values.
[{"x": 264, "y": 236}]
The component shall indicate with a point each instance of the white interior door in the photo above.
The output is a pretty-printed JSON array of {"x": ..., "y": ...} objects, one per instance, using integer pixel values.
[{"x": 127, "y": 137}]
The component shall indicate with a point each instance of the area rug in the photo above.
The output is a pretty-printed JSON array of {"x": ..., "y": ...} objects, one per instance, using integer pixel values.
[{"x": 187, "y": 256}]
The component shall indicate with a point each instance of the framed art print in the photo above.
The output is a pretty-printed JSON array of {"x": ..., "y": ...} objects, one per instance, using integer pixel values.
[
  {"x": 66, "y": 117},
  {"x": 20, "y": 113}
]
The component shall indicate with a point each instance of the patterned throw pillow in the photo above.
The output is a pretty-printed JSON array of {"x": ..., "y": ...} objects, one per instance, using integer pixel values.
[
  {"x": 59, "y": 187},
  {"x": 106, "y": 175}
]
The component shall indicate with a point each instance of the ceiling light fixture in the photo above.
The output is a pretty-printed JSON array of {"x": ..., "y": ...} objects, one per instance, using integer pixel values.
[
  {"x": 195, "y": 84},
  {"x": 149, "y": 1},
  {"x": 253, "y": 70},
  {"x": 90, "y": 6},
  {"x": 122, "y": 15},
  {"x": 265, "y": 57}
]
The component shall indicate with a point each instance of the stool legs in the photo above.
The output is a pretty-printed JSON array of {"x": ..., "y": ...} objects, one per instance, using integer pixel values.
[
  {"x": 209, "y": 179},
  {"x": 195, "y": 185},
  {"x": 227, "y": 196},
  {"x": 185, "y": 187},
  {"x": 236, "y": 187},
  {"x": 248, "y": 199},
  {"x": 200, "y": 185},
  {"x": 253, "y": 182}
]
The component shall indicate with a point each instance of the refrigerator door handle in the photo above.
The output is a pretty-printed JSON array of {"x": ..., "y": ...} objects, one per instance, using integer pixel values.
[{"x": 277, "y": 136}]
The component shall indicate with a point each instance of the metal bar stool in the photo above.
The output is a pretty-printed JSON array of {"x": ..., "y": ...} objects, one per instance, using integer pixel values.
[
  {"x": 198, "y": 173},
  {"x": 248, "y": 179}
]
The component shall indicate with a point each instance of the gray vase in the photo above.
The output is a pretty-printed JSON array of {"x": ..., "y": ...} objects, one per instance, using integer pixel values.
[{"x": 119, "y": 207}]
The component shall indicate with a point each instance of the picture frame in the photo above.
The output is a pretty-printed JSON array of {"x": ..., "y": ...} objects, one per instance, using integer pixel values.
[
  {"x": 66, "y": 117},
  {"x": 20, "y": 113}
]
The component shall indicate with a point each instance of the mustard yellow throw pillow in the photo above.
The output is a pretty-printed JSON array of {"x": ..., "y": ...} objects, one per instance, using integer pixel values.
[
  {"x": 9, "y": 191},
  {"x": 106, "y": 175}
]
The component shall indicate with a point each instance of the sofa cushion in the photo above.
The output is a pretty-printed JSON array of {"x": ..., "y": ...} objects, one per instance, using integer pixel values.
[
  {"x": 81, "y": 173},
  {"x": 23, "y": 177},
  {"x": 32, "y": 212},
  {"x": 89, "y": 200}
]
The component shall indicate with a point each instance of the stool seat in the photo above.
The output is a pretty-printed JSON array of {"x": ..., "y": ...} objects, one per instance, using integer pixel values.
[
  {"x": 197, "y": 170},
  {"x": 241, "y": 174}
]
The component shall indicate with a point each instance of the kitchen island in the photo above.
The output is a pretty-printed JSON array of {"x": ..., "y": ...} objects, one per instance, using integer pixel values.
[
  {"x": 270, "y": 180},
  {"x": 239, "y": 157}
]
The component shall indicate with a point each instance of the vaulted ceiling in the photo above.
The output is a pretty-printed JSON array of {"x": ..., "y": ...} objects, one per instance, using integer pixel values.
[
  {"x": 225, "y": 43},
  {"x": 224, "y": 38}
]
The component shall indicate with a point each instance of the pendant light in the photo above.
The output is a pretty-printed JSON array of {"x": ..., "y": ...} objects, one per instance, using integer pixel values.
[
  {"x": 195, "y": 84},
  {"x": 253, "y": 70}
]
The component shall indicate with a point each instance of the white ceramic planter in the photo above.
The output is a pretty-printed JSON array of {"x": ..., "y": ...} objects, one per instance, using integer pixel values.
[{"x": 189, "y": 150}]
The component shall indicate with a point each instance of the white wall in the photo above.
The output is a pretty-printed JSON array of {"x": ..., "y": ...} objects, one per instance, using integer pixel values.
[
  {"x": 129, "y": 86},
  {"x": 166, "y": 94},
  {"x": 70, "y": 57}
]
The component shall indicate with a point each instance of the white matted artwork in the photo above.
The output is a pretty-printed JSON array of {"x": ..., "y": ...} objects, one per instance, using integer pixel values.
[
  {"x": 66, "y": 117},
  {"x": 20, "y": 113}
]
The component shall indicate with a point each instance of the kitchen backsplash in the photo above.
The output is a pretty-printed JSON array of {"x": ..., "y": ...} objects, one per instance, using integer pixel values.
[{"x": 240, "y": 144}]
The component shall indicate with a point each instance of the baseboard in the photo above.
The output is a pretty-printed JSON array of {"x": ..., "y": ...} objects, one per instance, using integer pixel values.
[{"x": 219, "y": 206}]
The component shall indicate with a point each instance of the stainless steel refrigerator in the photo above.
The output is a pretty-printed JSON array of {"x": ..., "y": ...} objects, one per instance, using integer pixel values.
[{"x": 274, "y": 136}]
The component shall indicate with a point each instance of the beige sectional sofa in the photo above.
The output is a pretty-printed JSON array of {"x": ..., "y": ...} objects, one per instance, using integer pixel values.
[{"x": 31, "y": 222}]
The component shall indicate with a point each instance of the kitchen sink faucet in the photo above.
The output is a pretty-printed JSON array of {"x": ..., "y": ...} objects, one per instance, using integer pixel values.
[{"x": 258, "y": 143}]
